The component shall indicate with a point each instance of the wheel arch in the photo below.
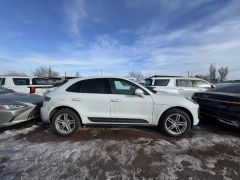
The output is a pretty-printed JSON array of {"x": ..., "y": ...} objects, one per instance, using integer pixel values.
[
  {"x": 63, "y": 107},
  {"x": 180, "y": 108}
]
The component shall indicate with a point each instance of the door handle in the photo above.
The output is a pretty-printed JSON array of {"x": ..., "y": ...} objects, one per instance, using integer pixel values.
[
  {"x": 115, "y": 100},
  {"x": 76, "y": 99}
]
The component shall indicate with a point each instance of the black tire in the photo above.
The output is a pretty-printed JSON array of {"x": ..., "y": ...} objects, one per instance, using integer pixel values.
[
  {"x": 74, "y": 118},
  {"x": 184, "y": 117}
]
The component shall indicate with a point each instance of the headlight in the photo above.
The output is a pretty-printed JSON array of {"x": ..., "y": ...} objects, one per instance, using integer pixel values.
[
  {"x": 190, "y": 99},
  {"x": 11, "y": 106}
]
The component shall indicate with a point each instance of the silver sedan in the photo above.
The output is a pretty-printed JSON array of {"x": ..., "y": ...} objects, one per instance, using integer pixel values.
[{"x": 16, "y": 108}]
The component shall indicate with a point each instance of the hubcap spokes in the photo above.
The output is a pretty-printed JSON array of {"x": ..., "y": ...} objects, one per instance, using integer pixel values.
[
  {"x": 176, "y": 124},
  {"x": 65, "y": 123}
]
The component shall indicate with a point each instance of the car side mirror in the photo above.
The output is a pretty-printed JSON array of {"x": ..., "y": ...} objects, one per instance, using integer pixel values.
[{"x": 139, "y": 92}]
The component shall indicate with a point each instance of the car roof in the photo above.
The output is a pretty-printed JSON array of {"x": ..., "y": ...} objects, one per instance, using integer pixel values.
[
  {"x": 16, "y": 77},
  {"x": 96, "y": 77},
  {"x": 174, "y": 77}
]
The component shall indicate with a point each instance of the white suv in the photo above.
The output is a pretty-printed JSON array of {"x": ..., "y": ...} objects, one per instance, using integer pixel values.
[
  {"x": 25, "y": 84},
  {"x": 116, "y": 101},
  {"x": 185, "y": 86}
]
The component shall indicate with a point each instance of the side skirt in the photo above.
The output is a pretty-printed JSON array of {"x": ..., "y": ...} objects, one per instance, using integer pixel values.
[{"x": 118, "y": 120}]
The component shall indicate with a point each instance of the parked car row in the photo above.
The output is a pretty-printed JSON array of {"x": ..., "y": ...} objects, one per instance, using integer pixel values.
[
  {"x": 116, "y": 101},
  {"x": 24, "y": 84},
  {"x": 185, "y": 86}
]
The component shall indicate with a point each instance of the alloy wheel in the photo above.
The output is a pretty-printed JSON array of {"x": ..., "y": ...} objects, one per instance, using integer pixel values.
[
  {"x": 176, "y": 124},
  {"x": 65, "y": 123}
]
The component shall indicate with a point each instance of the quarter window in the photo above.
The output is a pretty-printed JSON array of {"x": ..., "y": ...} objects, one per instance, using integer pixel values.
[
  {"x": 161, "y": 82},
  {"x": 21, "y": 81},
  {"x": 184, "y": 83},
  {"x": 201, "y": 84}
]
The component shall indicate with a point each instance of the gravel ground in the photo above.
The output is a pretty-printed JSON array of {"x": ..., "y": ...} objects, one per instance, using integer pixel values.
[{"x": 33, "y": 151}]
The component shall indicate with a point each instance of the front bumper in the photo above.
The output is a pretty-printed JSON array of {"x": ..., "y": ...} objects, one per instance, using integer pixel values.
[
  {"x": 195, "y": 114},
  {"x": 15, "y": 116}
]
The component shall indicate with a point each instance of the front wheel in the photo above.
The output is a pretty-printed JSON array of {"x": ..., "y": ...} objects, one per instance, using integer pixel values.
[
  {"x": 66, "y": 122},
  {"x": 175, "y": 123}
]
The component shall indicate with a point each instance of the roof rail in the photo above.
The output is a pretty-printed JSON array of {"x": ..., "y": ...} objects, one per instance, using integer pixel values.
[{"x": 154, "y": 76}]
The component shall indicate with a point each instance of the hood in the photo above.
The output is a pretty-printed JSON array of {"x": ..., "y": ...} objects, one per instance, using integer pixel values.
[
  {"x": 22, "y": 98},
  {"x": 217, "y": 96}
]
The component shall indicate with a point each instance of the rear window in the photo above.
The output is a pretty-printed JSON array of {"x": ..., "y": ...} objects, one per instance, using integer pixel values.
[
  {"x": 148, "y": 82},
  {"x": 21, "y": 81},
  {"x": 161, "y": 82},
  {"x": 40, "y": 81},
  {"x": 2, "y": 81}
]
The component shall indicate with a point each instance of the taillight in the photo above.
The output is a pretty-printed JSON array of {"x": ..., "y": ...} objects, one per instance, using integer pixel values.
[
  {"x": 46, "y": 98},
  {"x": 32, "y": 90}
]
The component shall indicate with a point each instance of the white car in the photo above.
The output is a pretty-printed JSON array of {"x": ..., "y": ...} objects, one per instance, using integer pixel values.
[
  {"x": 116, "y": 101},
  {"x": 185, "y": 86},
  {"x": 25, "y": 84}
]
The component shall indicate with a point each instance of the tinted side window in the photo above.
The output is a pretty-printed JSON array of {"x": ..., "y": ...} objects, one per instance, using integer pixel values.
[
  {"x": 184, "y": 83},
  {"x": 2, "y": 81},
  {"x": 121, "y": 86},
  {"x": 21, "y": 81},
  {"x": 75, "y": 87},
  {"x": 97, "y": 86},
  {"x": 161, "y": 82}
]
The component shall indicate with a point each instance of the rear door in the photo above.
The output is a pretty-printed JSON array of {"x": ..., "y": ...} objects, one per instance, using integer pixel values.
[
  {"x": 126, "y": 107},
  {"x": 90, "y": 98},
  {"x": 185, "y": 87}
]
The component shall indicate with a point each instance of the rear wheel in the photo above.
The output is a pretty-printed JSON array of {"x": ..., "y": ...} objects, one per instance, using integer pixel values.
[
  {"x": 66, "y": 122},
  {"x": 175, "y": 122}
]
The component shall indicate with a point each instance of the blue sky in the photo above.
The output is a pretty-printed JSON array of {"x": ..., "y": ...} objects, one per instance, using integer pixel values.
[{"x": 155, "y": 37}]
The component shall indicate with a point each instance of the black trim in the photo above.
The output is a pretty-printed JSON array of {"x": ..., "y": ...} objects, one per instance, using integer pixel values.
[{"x": 117, "y": 120}]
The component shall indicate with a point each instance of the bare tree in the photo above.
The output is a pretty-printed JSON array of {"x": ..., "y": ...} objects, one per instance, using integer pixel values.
[
  {"x": 45, "y": 72},
  {"x": 136, "y": 75},
  {"x": 212, "y": 73},
  {"x": 15, "y": 73},
  {"x": 201, "y": 76},
  {"x": 223, "y": 72}
]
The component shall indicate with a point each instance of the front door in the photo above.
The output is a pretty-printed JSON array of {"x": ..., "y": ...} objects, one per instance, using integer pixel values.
[{"x": 126, "y": 107}]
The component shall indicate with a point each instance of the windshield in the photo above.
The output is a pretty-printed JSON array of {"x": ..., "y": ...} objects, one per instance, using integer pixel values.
[
  {"x": 148, "y": 82},
  {"x": 60, "y": 83}
]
